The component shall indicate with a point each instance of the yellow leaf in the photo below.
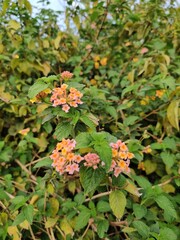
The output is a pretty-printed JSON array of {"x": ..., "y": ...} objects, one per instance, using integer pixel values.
[
  {"x": 96, "y": 65},
  {"x": 54, "y": 206},
  {"x": 40, "y": 107},
  {"x": 93, "y": 82},
  {"x": 131, "y": 76},
  {"x": 51, "y": 222},
  {"x": 167, "y": 59},
  {"x": 103, "y": 61},
  {"x": 5, "y": 6},
  {"x": 24, "y": 225},
  {"x": 96, "y": 58},
  {"x": 14, "y": 24},
  {"x": 28, "y": 6},
  {"x": 45, "y": 43},
  {"x": 131, "y": 188},
  {"x": 66, "y": 227},
  {"x": 34, "y": 199},
  {"x": 25, "y": 67},
  {"x": 47, "y": 68},
  {"x": 31, "y": 44},
  {"x": 57, "y": 41},
  {"x": 168, "y": 188},
  {"x": 5, "y": 96},
  {"x": 13, "y": 231},
  {"x": 23, "y": 111},
  {"x": 42, "y": 143},
  {"x": 50, "y": 188},
  {"x": 3, "y": 218},
  {"x": 172, "y": 114},
  {"x": 72, "y": 186},
  {"x": 1, "y": 47}
]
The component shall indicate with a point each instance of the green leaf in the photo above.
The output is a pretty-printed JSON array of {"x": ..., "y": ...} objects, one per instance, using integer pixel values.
[
  {"x": 48, "y": 79},
  {"x": 105, "y": 153},
  {"x": 130, "y": 120},
  {"x": 112, "y": 111},
  {"x": 63, "y": 130},
  {"x": 139, "y": 210},
  {"x": 167, "y": 234},
  {"x": 88, "y": 122},
  {"x": 82, "y": 220},
  {"x": 45, "y": 162},
  {"x": 83, "y": 140},
  {"x": 102, "y": 227},
  {"x": 36, "y": 88},
  {"x": 150, "y": 166},
  {"x": 117, "y": 202},
  {"x": 1, "y": 144},
  {"x": 119, "y": 181},
  {"x": 129, "y": 89},
  {"x": 51, "y": 222},
  {"x": 169, "y": 143},
  {"x": 165, "y": 204},
  {"x": 168, "y": 158},
  {"x": 90, "y": 178},
  {"x": 18, "y": 202},
  {"x": 142, "y": 228},
  {"x": 173, "y": 114},
  {"x": 142, "y": 181},
  {"x": 19, "y": 219},
  {"x": 103, "y": 206},
  {"x": 28, "y": 213},
  {"x": 79, "y": 198}
]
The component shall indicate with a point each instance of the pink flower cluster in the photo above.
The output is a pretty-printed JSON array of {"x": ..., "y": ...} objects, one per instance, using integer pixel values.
[
  {"x": 64, "y": 159},
  {"x": 120, "y": 158},
  {"x": 66, "y": 75},
  {"x": 92, "y": 159},
  {"x": 66, "y": 98}
]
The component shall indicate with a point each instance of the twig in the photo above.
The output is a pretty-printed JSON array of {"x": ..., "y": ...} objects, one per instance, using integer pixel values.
[
  {"x": 3, "y": 206},
  {"x": 98, "y": 196},
  {"x": 167, "y": 181},
  {"x": 64, "y": 236},
  {"x": 35, "y": 161},
  {"x": 52, "y": 234},
  {"x": 26, "y": 170},
  {"x": 120, "y": 223},
  {"x": 89, "y": 224},
  {"x": 32, "y": 234}
]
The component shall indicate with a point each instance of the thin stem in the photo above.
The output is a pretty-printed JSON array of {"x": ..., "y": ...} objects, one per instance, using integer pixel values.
[
  {"x": 26, "y": 170},
  {"x": 98, "y": 196},
  {"x": 32, "y": 234},
  {"x": 89, "y": 224}
]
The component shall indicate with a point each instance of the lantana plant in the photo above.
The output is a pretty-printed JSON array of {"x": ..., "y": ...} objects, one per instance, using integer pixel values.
[{"x": 83, "y": 152}]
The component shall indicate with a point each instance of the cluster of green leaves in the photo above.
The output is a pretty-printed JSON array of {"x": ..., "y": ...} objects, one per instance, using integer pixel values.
[{"x": 125, "y": 59}]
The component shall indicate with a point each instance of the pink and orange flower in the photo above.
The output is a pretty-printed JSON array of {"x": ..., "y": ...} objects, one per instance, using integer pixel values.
[{"x": 66, "y": 98}]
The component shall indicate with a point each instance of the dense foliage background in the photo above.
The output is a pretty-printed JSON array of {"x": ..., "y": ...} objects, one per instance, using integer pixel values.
[{"x": 125, "y": 59}]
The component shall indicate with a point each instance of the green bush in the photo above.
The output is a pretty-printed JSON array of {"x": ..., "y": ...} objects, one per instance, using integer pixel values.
[{"x": 124, "y": 60}]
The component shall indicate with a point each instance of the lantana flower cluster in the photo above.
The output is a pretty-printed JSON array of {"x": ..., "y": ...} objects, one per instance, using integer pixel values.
[
  {"x": 66, "y": 161},
  {"x": 62, "y": 96},
  {"x": 66, "y": 75},
  {"x": 64, "y": 158},
  {"x": 120, "y": 158}
]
